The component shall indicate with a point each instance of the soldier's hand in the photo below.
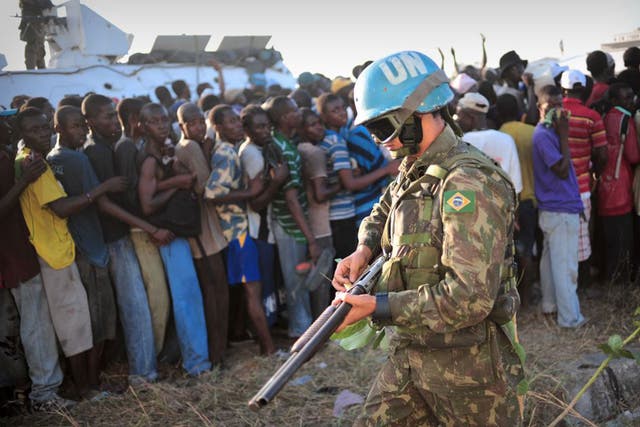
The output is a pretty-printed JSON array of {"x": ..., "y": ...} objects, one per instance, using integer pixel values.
[
  {"x": 361, "y": 307},
  {"x": 350, "y": 268}
]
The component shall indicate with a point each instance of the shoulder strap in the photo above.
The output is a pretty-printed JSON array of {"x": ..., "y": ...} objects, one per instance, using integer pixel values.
[
  {"x": 424, "y": 178},
  {"x": 624, "y": 127}
]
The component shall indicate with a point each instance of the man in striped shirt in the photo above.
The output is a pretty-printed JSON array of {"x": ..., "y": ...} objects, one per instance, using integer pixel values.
[
  {"x": 342, "y": 213},
  {"x": 588, "y": 149},
  {"x": 289, "y": 223}
]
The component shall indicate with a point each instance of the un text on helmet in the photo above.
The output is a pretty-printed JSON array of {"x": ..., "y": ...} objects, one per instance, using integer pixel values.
[{"x": 405, "y": 64}]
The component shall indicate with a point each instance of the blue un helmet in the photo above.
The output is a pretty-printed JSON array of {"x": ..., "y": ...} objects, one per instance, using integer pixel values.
[{"x": 390, "y": 90}]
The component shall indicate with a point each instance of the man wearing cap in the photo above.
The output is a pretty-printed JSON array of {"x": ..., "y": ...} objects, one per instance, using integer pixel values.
[
  {"x": 588, "y": 149},
  {"x": 446, "y": 227},
  {"x": 601, "y": 66},
  {"x": 519, "y": 84},
  {"x": 472, "y": 118},
  {"x": 462, "y": 84}
]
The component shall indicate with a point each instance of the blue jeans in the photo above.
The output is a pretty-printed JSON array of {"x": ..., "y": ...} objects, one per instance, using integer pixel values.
[
  {"x": 266, "y": 255},
  {"x": 298, "y": 305},
  {"x": 188, "y": 308},
  {"x": 528, "y": 220},
  {"x": 38, "y": 339},
  {"x": 559, "y": 267},
  {"x": 133, "y": 308}
]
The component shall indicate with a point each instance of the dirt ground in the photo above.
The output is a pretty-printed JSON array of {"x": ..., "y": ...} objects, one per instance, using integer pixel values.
[{"x": 219, "y": 398}]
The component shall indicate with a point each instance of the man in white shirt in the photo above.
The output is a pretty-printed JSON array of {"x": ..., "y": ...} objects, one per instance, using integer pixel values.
[{"x": 472, "y": 117}]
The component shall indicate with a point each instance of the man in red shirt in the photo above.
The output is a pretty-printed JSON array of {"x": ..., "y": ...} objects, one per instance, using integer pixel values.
[
  {"x": 588, "y": 149},
  {"x": 615, "y": 202}
]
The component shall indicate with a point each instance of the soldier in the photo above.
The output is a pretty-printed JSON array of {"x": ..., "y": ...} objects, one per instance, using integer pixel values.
[
  {"x": 447, "y": 291},
  {"x": 32, "y": 31}
]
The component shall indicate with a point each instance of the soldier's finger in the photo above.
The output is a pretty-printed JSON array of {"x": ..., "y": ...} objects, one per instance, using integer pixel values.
[{"x": 338, "y": 286}]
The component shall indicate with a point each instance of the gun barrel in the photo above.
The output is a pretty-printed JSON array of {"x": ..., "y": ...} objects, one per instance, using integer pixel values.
[
  {"x": 316, "y": 335},
  {"x": 296, "y": 360}
]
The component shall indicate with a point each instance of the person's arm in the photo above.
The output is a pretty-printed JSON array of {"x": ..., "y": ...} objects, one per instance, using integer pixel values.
[
  {"x": 176, "y": 182},
  {"x": 339, "y": 154},
  {"x": 255, "y": 187},
  {"x": 278, "y": 176},
  {"x": 561, "y": 167},
  {"x": 532, "y": 114},
  {"x": 150, "y": 198},
  {"x": 216, "y": 66},
  {"x": 598, "y": 136},
  {"x": 483, "y": 65},
  {"x": 159, "y": 235},
  {"x": 225, "y": 165},
  {"x": 456, "y": 67},
  {"x": 441, "y": 58},
  {"x": 31, "y": 170},
  {"x": 355, "y": 183},
  {"x": 322, "y": 191},
  {"x": 192, "y": 157},
  {"x": 291, "y": 197},
  {"x": 599, "y": 156},
  {"x": 67, "y": 206}
]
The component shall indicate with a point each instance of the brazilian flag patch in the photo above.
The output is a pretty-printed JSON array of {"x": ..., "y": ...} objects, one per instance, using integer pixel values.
[{"x": 458, "y": 201}]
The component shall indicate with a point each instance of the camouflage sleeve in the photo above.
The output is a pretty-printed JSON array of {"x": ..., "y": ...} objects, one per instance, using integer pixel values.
[
  {"x": 370, "y": 231},
  {"x": 476, "y": 208}
]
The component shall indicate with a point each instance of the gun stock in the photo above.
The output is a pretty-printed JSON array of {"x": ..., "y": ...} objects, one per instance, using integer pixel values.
[{"x": 314, "y": 337}]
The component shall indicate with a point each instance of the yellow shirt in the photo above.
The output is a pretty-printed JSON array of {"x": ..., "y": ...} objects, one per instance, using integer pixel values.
[
  {"x": 522, "y": 134},
  {"x": 48, "y": 232}
]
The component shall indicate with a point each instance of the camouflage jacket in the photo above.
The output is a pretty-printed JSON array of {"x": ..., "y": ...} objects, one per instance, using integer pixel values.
[{"x": 447, "y": 237}]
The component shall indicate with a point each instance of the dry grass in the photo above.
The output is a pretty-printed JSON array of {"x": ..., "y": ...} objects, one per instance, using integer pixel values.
[
  {"x": 220, "y": 398},
  {"x": 549, "y": 347}
]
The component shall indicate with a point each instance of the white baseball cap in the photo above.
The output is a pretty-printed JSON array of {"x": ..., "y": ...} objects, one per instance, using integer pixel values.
[
  {"x": 570, "y": 78},
  {"x": 474, "y": 101}
]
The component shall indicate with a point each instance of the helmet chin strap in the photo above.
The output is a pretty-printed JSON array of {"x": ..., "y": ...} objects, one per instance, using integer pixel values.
[
  {"x": 406, "y": 150},
  {"x": 410, "y": 136}
]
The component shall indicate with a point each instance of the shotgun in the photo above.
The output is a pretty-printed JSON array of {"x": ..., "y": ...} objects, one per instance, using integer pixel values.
[{"x": 315, "y": 336}]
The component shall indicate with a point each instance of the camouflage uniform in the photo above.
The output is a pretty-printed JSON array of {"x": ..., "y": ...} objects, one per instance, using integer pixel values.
[{"x": 449, "y": 232}]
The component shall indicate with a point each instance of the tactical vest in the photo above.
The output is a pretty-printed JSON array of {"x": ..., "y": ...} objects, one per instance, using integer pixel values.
[{"x": 413, "y": 236}]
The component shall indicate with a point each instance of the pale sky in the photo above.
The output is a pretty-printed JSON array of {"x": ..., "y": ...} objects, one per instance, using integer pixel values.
[{"x": 331, "y": 36}]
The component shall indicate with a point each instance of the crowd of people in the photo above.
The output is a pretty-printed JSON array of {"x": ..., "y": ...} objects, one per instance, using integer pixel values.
[{"x": 205, "y": 222}]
